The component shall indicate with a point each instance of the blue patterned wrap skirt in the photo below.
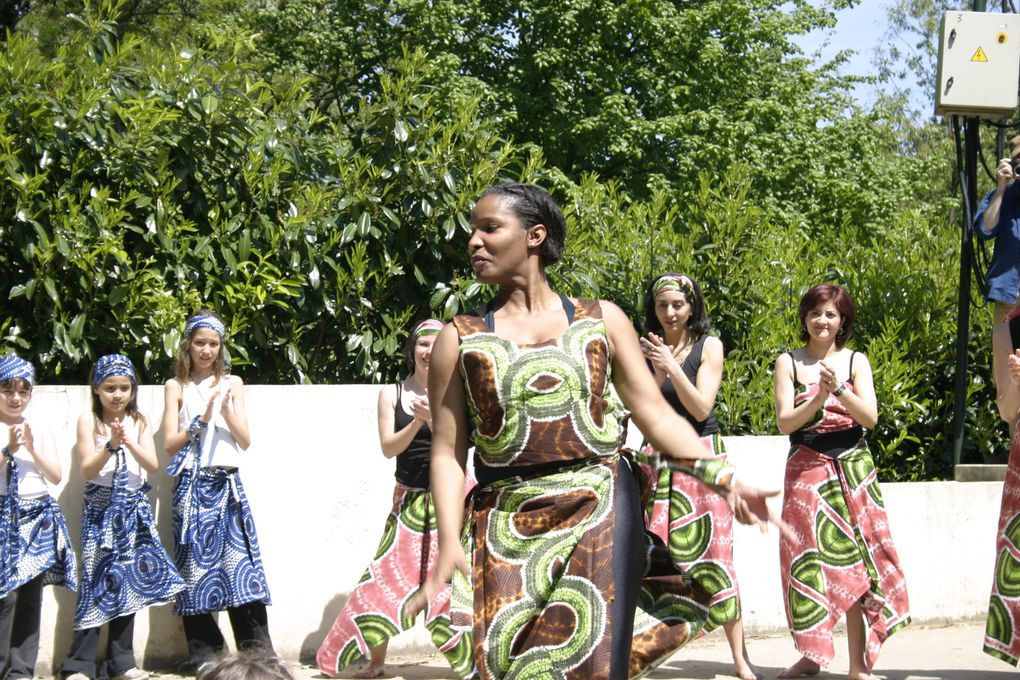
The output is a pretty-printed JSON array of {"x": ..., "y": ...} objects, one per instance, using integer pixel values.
[
  {"x": 34, "y": 540},
  {"x": 124, "y": 565},
  {"x": 217, "y": 549}
]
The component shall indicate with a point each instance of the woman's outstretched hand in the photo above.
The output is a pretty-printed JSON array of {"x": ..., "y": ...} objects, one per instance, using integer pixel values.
[
  {"x": 450, "y": 559},
  {"x": 750, "y": 506}
]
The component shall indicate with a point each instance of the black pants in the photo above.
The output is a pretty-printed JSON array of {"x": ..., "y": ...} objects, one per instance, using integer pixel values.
[
  {"x": 628, "y": 568},
  {"x": 249, "y": 623},
  {"x": 19, "y": 629},
  {"x": 120, "y": 651}
]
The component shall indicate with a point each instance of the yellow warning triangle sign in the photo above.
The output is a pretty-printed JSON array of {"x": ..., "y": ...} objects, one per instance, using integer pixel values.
[{"x": 979, "y": 55}]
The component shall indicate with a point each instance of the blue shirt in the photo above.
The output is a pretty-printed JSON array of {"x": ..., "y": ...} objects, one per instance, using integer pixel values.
[{"x": 1003, "y": 279}]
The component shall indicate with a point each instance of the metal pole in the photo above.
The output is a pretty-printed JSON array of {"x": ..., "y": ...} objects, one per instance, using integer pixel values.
[{"x": 970, "y": 151}]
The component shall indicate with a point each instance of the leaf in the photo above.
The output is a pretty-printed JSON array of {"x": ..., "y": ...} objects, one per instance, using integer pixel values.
[
  {"x": 400, "y": 131},
  {"x": 77, "y": 324},
  {"x": 364, "y": 222},
  {"x": 210, "y": 103},
  {"x": 117, "y": 294}
]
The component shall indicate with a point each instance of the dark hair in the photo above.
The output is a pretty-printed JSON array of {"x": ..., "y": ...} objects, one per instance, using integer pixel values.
[
  {"x": 698, "y": 323},
  {"x": 533, "y": 205},
  {"x": 97, "y": 405},
  {"x": 254, "y": 664},
  {"x": 840, "y": 298},
  {"x": 182, "y": 364}
]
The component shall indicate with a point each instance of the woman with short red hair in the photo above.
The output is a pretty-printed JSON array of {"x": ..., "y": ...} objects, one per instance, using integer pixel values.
[{"x": 842, "y": 560}]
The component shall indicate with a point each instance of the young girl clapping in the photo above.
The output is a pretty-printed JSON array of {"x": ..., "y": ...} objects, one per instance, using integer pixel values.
[
  {"x": 35, "y": 549},
  {"x": 205, "y": 427},
  {"x": 124, "y": 565}
]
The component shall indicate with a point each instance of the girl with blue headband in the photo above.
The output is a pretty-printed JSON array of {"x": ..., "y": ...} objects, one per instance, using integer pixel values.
[
  {"x": 35, "y": 548},
  {"x": 124, "y": 565},
  {"x": 205, "y": 428}
]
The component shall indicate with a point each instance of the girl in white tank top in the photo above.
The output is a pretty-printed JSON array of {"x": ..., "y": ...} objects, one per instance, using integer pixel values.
[
  {"x": 206, "y": 430},
  {"x": 124, "y": 565}
]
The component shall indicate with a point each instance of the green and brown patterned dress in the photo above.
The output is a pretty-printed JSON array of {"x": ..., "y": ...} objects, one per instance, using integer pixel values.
[{"x": 564, "y": 581}]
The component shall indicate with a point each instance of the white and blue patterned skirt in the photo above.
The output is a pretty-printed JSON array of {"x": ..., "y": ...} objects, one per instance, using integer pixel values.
[
  {"x": 217, "y": 549},
  {"x": 124, "y": 565},
  {"x": 34, "y": 540}
]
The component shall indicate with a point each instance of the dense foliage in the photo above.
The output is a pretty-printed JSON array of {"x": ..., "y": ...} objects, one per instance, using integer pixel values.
[{"x": 308, "y": 169}]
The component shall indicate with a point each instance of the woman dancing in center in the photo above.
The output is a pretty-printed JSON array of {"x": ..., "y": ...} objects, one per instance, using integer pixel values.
[
  {"x": 694, "y": 521},
  {"x": 842, "y": 560},
  {"x": 563, "y": 580}
]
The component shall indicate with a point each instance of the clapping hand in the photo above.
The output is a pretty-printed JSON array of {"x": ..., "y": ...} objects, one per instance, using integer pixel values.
[
  {"x": 18, "y": 436},
  {"x": 827, "y": 376},
  {"x": 117, "y": 435},
  {"x": 420, "y": 409},
  {"x": 227, "y": 405},
  {"x": 658, "y": 352}
]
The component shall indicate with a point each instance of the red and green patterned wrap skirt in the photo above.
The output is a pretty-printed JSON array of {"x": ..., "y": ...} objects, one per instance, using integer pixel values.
[
  {"x": 845, "y": 552},
  {"x": 375, "y": 610},
  {"x": 1002, "y": 630},
  {"x": 697, "y": 525}
]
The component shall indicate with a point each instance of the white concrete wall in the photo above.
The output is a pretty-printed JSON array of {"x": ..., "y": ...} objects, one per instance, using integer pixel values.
[{"x": 320, "y": 490}]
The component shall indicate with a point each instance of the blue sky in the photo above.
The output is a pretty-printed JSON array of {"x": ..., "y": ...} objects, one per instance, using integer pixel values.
[{"x": 860, "y": 28}]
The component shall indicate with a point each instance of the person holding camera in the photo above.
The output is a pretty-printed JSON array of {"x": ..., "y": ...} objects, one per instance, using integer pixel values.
[{"x": 998, "y": 217}]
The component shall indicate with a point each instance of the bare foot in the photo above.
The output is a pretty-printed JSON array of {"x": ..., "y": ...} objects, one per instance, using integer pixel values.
[
  {"x": 370, "y": 671},
  {"x": 745, "y": 671},
  {"x": 864, "y": 675},
  {"x": 803, "y": 667}
]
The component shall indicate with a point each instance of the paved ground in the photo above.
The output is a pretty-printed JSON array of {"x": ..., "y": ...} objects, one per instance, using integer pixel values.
[{"x": 916, "y": 653}]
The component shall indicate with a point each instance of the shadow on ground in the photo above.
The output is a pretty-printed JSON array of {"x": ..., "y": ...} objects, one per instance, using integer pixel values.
[
  {"x": 710, "y": 670},
  {"x": 397, "y": 670}
]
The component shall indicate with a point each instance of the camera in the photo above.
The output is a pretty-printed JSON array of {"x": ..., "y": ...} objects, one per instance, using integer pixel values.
[{"x": 1016, "y": 167}]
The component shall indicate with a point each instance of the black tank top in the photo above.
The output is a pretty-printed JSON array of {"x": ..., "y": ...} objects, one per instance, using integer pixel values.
[
  {"x": 413, "y": 463},
  {"x": 690, "y": 368}
]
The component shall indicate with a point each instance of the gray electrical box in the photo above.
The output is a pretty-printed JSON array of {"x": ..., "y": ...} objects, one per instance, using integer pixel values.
[{"x": 979, "y": 64}]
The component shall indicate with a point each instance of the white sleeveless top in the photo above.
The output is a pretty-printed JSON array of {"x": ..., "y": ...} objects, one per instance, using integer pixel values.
[
  {"x": 136, "y": 476},
  {"x": 31, "y": 483},
  {"x": 216, "y": 445}
]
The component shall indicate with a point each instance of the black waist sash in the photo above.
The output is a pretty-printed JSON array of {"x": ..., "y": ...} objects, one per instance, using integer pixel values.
[{"x": 831, "y": 444}]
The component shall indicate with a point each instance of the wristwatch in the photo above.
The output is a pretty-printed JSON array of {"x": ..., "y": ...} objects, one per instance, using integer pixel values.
[{"x": 839, "y": 390}]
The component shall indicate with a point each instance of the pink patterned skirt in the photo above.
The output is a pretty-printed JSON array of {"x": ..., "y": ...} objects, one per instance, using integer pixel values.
[
  {"x": 845, "y": 553},
  {"x": 697, "y": 525}
]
